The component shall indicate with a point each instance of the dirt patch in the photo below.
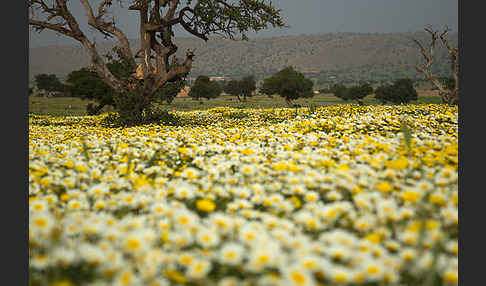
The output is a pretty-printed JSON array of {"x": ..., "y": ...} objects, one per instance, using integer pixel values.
[{"x": 428, "y": 92}]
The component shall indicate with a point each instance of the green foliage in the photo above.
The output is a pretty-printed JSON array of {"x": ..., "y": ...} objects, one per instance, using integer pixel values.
[
  {"x": 158, "y": 115},
  {"x": 400, "y": 92},
  {"x": 134, "y": 109},
  {"x": 204, "y": 88},
  {"x": 119, "y": 64},
  {"x": 247, "y": 86},
  {"x": 131, "y": 106},
  {"x": 244, "y": 87},
  {"x": 289, "y": 84},
  {"x": 49, "y": 83},
  {"x": 170, "y": 90},
  {"x": 227, "y": 18},
  {"x": 356, "y": 92},
  {"x": 87, "y": 84},
  {"x": 232, "y": 87},
  {"x": 340, "y": 91},
  {"x": 448, "y": 82}
]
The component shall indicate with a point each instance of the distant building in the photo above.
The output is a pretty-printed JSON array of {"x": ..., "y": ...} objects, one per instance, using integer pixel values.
[
  {"x": 191, "y": 80},
  {"x": 184, "y": 92},
  {"x": 218, "y": 78}
]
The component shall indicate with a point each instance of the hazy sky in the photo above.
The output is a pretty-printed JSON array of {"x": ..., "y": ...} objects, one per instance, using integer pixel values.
[{"x": 307, "y": 17}]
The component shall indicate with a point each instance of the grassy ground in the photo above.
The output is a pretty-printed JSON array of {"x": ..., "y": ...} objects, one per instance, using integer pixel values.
[
  {"x": 74, "y": 106},
  {"x": 60, "y": 106}
]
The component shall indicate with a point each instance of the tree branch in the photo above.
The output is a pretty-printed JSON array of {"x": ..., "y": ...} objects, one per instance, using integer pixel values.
[
  {"x": 108, "y": 28},
  {"x": 447, "y": 95}
]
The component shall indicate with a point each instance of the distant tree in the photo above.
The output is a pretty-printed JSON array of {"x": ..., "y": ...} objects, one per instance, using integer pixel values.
[
  {"x": 49, "y": 83},
  {"x": 401, "y": 91},
  {"x": 359, "y": 92},
  {"x": 169, "y": 91},
  {"x": 244, "y": 87},
  {"x": 289, "y": 84},
  {"x": 232, "y": 87},
  {"x": 340, "y": 90},
  {"x": 88, "y": 85},
  {"x": 204, "y": 88},
  {"x": 383, "y": 93},
  {"x": 247, "y": 86}
]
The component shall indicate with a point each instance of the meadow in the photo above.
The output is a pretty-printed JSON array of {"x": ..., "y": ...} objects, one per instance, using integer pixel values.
[
  {"x": 331, "y": 195},
  {"x": 66, "y": 106}
]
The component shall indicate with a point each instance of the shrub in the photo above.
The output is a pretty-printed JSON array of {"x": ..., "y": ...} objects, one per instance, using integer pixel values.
[{"x": 400, "y": 92}]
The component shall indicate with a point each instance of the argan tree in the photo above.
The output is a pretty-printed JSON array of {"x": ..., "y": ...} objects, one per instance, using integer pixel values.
[
  {"x": 289, "y": 84},
  {"x": 157, "y": 20},
  {"x": 244, "y": 87},
  {"x": 247, "y": 86},
  {"x": 49, "y": 83},
  {"x": 356, "y": 92},
  {"x": 448, "y": 89},
  {"x": 400, "y": 92},
  {"x": 86, "y": 84},
  {"x": 205, "y": 88},
  {"x": 232, "y": 87}
]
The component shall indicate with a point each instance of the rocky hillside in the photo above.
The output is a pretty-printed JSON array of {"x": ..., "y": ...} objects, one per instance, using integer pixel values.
[{"x": 339, "y": 54}]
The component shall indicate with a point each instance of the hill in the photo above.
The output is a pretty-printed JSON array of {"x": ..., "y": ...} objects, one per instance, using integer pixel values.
[{"x": 328, "y": 57}]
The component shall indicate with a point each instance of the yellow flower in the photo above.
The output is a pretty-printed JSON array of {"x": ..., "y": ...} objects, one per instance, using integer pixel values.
[
  {"x": 343, "y": 167},
  {"x": 384, "y": 187},
  {"x": 65, "y": 197},
  {"x": 280, "y": 166},
  {"x": 399, "y": 164},
  {"x": 411, "y": 196},
  {"x": 296, "y": 202},
  {"x": 183, "y": 150},
  {"x": 62, "y": 283},
  {"x": 373, "y": 237},
  {"x": 450, "y": 276},
  {"x": 205, "y": 205},
  {"x": 175, "y": 276},
  {"x": 45, "y": 182}
]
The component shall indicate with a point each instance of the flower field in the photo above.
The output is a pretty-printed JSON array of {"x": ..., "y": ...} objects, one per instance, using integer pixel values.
[{"x": 338, "y": 195}]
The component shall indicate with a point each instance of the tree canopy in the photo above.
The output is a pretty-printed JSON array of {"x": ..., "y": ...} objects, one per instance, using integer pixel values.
[
  {"x": 85, "y": 83},
  {"x": 205, "y": 88},
  {"x": 356, "y": 92},
  {"x": 49, "y": 83},
  {"x": 289, "y": 84},
  {"x": 400, "y": 92},
  {"x": 244, "y": 87}
]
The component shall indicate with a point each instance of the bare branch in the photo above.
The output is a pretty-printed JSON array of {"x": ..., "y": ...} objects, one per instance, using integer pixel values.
[
  {"x": 448, "y": 95},
  {"x": 108, "y": 28},
  {"x": 40, "y": 26}
]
